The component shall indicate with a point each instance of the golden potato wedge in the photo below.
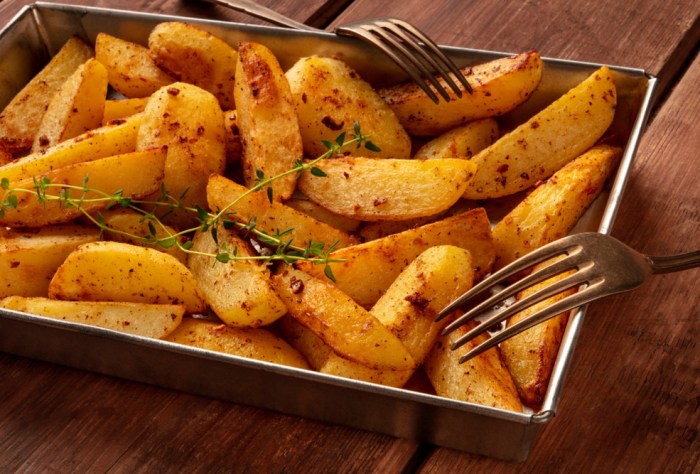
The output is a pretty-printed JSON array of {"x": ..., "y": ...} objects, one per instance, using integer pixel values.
[
  {"x": 330, "y": 97},
  {"x": 320, "y": 213},
  {"x": 554, "y": 207},
  {"x": 367, "y": 270},
  {"x": 114, "y": 271},
  {"x": 131, "y": 69},
  {"x": 350, "y": 330},
  {"x": 531, "y": 354},
  {"x": 271, "y": 217},
  {"x": 430, "y": 282},
  {"x": 387, "y": 189},
  {"x": 20, "y": 119},
  {"x": 76, "y": 108},
  {"x": 483, "y": 380},
  {"x": 252, "y": 343},
  {"x": 5, "y": 157},
  {"x": 114, "y": 139},
  {"x": 139, "y": 319},
  {"x": 547, "y": 141},
  {"x": 239, "y": 292},
  {"x": 498, "y": 87},
  {"x": 121, "y": 109},
  {"x": 29, "y": 258},
  {"x": 132, "y": 175},
  {"x": 189, "y": 121},
  {"x": 234, "y": 148},
  {"x": 195, "y": 56},
  {"x": 268, "y": 125},
  {"x": 464, "y": 141}
]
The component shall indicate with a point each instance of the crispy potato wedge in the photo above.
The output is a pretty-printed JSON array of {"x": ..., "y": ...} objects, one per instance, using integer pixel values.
[
  {"x": 189, "y": 121},
  {"x": 271, "y": 217},
  {"x": 464, "y": 141},
  {"x": 239, "y": 292},
  {"x": 29, "y": 258},
  {"x": 330, "y": 97},
  {"x": 76, "y": 108},
  {"x": 368, "y": 269},
  {"x": 320, "y": 213},
  {"x": 387, "y": 189},
  {"x": 131, "y": 69},
  {"x": 133, "y": 175},
  {"x": 258, "y": 344},
  {"x": 5, "y": 157},
  {"x": 197, "y": 57},
  {"x": 114, "y": 271},
  {"x": 139, "y": 319},
  {"x": 483, "y": 380},
  {"x": 20, "y": 119},
  {"x": 350, "y": 330},
  {"x": 234, "y": 148},
  {"x": 121, "y": 109},
  {"x": 430, "y": 282},
  {"x": 268, "y": 125},
  {"x": 109, "y": 140},
  {"x": 554, "y": 207},
  {"x": 547, "y": 141},
  {"x": 498, "y": 87}
]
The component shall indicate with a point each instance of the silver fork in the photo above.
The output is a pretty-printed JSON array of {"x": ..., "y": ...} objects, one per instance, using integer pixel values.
[
  {"x": 405, "y": 44},
  {"x": 601, "y": 266}
]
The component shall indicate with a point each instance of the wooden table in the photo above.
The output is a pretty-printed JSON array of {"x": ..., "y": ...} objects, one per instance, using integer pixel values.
[{"x": 632, "y": 397}]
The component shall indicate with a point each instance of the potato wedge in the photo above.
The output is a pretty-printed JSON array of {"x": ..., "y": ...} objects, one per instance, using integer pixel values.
[
  {"x": 20, "y": 119},
  {"x": 483, "y": 380},
  {"x": 29, "y": 258},
  {"x": 189, "y": 121},
  {"x": 132, "y": 175},
  {"x": 113, "y": 139},
  {"x": 554, "y": 207},
  {"x": 234, "y": 148},
  {"x": 239, "y": 292},
  {"x": 330, "y": 97},
  {"x": 121, "y": 109},
  {"x": 252, "y": 343},
  {"x": 268, "y": 125},
  {"x": 271, "y": 217},
  {"x": 320, "y": 213},
  {"x": 130, "y": 67},
  {"x": 76, "y": 108},
  {"x": 498, "y": 87},
  {"x": 547, "y": 141},
  {"x": 387, "y": 189},
  {"x": 114, "y": 271},
  {"x": 197, "y": 57},
  {"x": 139, "y": 319},
  {"x": 464, "y": 141},
  {"x": 351, "y": 331},
  {"x": 368, "y": 269}
]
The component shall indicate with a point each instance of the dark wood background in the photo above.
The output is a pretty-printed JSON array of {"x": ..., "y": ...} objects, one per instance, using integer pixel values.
[{"x": 632, "y": 396}]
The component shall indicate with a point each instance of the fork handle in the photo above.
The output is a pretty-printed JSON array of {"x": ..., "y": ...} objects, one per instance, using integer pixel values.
[
  {"x": 251, "y": 8},
  {"x": 674, "y": 263}
]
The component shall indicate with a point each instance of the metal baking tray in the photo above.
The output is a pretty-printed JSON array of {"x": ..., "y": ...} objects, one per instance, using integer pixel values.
[{"x": 37, "y": 32}]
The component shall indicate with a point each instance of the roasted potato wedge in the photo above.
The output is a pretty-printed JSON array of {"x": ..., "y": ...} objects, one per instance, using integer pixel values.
[
  {"x": 20, "y": 119},
  {"x": 483, "y": 380},
  {"x": 350, "y": 330},
  {"x": 132, "y": 175},
  {"x": 330, "y": 97},
  {"x": 320, "y": 213},
  {"x": 498, "y": 87},
  {"x": 554, "y": 207},
  {"x": 234, "y": 148},
  {"x": 547, "y": 141},
  {"x": 114, "y": 271},
  {"x": 258, "y": 344},
  {"x": 195, "y": 56},
  {"x": 29, "y": 258},
  {"x": 121, "y": 109},
  {"x": 387, "y": 189},
  {"x": 140, "y": 319},
  {"x": 268, "y": 125},
  {"x": 464, "y": 141},
  {"x": 130, "y": 67},
  {"x": 367, "y": 270}
]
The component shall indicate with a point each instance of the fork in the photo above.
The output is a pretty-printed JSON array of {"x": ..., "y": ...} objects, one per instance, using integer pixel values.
[
  {"x": 601, "y": 266},
  {"x": 406, "y": 45}
]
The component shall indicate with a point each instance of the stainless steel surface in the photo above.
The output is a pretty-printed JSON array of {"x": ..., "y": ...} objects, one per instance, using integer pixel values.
[
  {"x": 601, "y": 265},
  {"x": 25, "y": 46}
]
